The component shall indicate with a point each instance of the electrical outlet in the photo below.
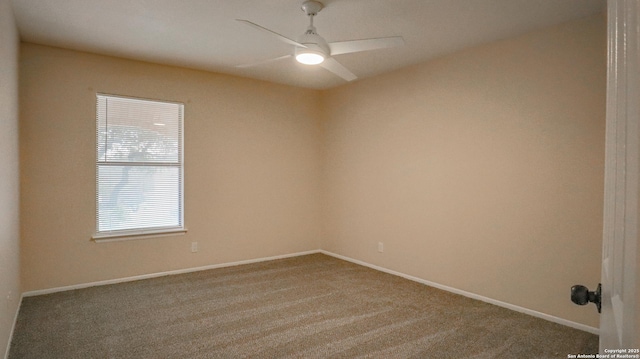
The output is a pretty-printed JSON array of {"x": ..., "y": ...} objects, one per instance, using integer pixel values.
[
  {"x": 380, "y": 247},
  {"x": 194, "y": 247}
]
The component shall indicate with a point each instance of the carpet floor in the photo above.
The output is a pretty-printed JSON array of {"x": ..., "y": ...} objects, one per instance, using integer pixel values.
[{"x": 312, "y": 306}]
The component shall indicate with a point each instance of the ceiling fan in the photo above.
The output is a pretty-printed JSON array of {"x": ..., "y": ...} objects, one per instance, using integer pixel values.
[{"x": 313, "y": 49}]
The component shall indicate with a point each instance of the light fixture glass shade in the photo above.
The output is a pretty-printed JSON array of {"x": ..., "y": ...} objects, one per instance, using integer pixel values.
[{"x": 309, "y": 58}]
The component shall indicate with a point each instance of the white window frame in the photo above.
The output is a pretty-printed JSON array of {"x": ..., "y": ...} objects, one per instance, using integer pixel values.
[{"x": 135, "y": 233}]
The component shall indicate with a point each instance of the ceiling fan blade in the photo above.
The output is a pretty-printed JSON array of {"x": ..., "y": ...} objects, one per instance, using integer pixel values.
[
  {"x": 263, "y": 62},
  {"x": 334, "y": 66},
  {"x": 345, "y": 47},
  {"x": 281, "y": 37}
]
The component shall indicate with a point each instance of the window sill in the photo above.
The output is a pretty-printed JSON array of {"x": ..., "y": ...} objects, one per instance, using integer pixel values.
[{"x": 105, "y": 238}]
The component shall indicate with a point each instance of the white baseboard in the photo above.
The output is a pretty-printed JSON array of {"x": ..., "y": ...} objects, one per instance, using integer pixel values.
[
  {"x": 161, "y": 274},
  {"x": 13, "y": 328},
  {"x": 510, "y": 306}
]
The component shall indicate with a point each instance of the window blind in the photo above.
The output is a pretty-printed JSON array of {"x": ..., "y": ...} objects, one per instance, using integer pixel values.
[{"x": 139, "y": 166}]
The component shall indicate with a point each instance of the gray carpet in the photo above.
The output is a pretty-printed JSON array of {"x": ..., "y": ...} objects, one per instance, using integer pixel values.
[{"x": 311, "y": 306}]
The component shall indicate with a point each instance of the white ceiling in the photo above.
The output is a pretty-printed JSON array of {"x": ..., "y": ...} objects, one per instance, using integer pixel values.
[{"x": 203, "y": 34}]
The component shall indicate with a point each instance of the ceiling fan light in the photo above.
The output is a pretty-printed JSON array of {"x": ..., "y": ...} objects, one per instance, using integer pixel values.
[{"x": 309, "y": 58}]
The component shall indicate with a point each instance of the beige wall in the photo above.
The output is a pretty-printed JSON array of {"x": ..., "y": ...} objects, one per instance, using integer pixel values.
[
  {"x": 482, "y": 170},
  {"x": 252, "y": 168},
  {"x": 9, "y": 174}
]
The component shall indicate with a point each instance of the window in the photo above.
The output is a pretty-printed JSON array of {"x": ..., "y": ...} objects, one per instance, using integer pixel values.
[{"x": 139, "y": 167}]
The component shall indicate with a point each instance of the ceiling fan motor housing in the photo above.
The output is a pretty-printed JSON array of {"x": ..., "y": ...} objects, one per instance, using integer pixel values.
[{"x": 313, "y": 42}]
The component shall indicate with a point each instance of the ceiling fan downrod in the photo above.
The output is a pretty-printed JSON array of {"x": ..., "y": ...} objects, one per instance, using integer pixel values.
[{"x": 311, "y": 8}]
